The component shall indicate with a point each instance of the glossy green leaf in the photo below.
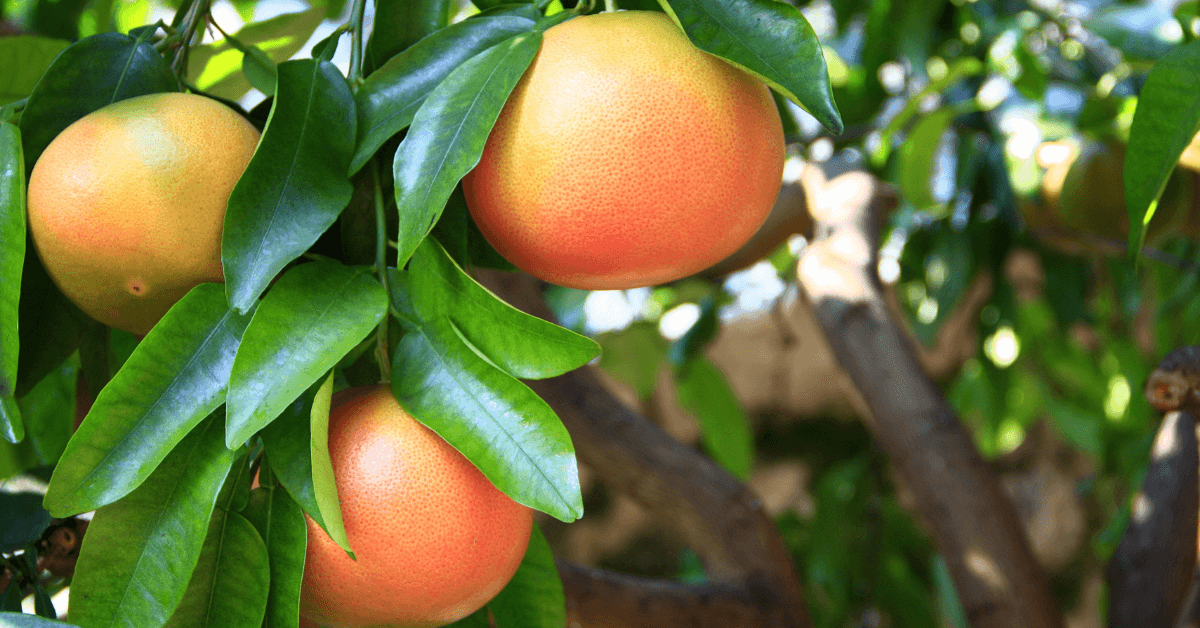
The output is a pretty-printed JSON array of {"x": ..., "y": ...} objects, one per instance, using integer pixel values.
[
  {"x": 229, "y": 586},
  {"x": 288, "y": 441},
  {"x": 324, "y": 486},
  {"x": 390, "y": 97},
  {"x": 465, "y": 243},
  {"x": 19, "y": 620},
  {"x": 139, "y": 553},
  {"x": 448, "y": 134},
  {"x": 534, "y": 597},
  {"x": 918, "y": 158},
  {"x": 704, "y": 391},
  {"x": 12, "y": 262},
  {"x": 1166, "y": 120},
  {"x": 176, "y": 376},
  {"x": 525, "y": 10},
  {"x": 313, "y": 316},
  {"x": 24, "y": 58},
  {"x": 218, "y": 66},
  {"x": 769, "y": 39},
  {"x": 499, "y": 424},
  {"x": 524, "y": 346},
  {"x": 399, "y": 24},
  {"x": 89, "y": 74},
  {"x": 280, "y": 523},
  {"x": 260, "y": 70},
  {"x": 295, "y": 185}
]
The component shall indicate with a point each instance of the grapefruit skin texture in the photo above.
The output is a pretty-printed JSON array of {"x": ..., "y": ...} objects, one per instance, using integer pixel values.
[
  {"x": 126, "y": 205},
  {"x": 626, "y": 157},
  {"x": 435, "y": 540}
]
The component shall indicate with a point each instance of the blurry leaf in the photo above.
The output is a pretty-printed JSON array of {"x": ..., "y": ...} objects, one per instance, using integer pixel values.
[
  {"x": 175, "y": 378},
  {"x": 280, "y": 523},
  {"x": 704, "y": 392},
  {"x": 228, "y": 588},
  {"x": 478, "y": 619},
  {"x": 23, "y": 521},
  {"x": 499, "y": 424},
  {"x": 12, "y": 261},
  {"x": 313, "y": 316},
  {"x": 57, "y": 18},
  {"x": 24, "y": 59},
  {"x": 11, "y": 600},
  {"x": 960, "y": 69},
  {"x": 448, "y": 134},
  {"x": 1166, "y": 120},
  {"x": 770, "y": 39},
  {"x": 634, "y": 355},
  {"x": 534, "y": 597},
  {"x": 522, "y": 345},
  {"x": 218, "y": 66},
  {"x": 391, "y": 96},
  {"x": 42, "y": 604},
  {"x": 323, "y": 482},
  {"x": 698, "y": 336},
  {"x": 1082, "y": 427},
  {"x": 900, "y": 591},
  {"x": 399, "y": 24},
  {"x": 86, "y": 76},
  {"x": 139, "y": 552},
  {"x": 951, "y": 608},
  {"x": 295, "y": 185},
  {"x": 917, "y": 159},
  {"x": 18, "y": 620},
  {"x": 1134, "y": 30},
  {"x": 259, "y": 70}
]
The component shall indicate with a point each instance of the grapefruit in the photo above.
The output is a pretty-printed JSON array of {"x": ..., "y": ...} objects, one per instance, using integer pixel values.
[
  {"x": 434, "y": 539},
  {"x": 126, "y": 205},
  {"x": 626, "y": 157}
]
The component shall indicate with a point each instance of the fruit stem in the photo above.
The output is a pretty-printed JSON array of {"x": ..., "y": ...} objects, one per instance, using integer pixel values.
[
  {"x": 356, "y": 42},
  {"x": 381, "y": 242}
]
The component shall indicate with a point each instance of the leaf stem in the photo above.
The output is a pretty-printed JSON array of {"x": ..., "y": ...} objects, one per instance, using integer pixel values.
[
  {"x": 381, "y": 248},
  {"x": 356, "y": 43},
  {"x": 193, "y": 15}
]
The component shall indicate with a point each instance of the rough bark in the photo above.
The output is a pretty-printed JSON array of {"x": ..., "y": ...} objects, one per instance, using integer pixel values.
[
  {"x": 720, "y": 519},
  {"x": 973, "y": 523}
]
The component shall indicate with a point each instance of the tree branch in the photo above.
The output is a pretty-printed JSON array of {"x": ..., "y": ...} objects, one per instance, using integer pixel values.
[
  {"x": 720, "y": 519},
  {"x": 973, "y": 523}
]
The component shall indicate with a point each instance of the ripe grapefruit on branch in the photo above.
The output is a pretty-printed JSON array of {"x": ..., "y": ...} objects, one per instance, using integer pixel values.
[
  {"x": 434, "y": 539},
  {"x": 126, "y": 205},
  {"x": 626, "y": 157}
]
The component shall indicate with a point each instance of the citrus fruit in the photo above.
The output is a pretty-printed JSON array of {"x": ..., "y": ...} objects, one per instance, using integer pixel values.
[
  {"x": 434, "y": 539},
  {"x": 126, "y": 205},
  {"x": 626, "y": 157}
]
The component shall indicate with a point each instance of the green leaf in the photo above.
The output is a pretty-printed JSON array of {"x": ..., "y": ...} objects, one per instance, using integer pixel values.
[
  {"x": 524, "y": 346},
  {"x": 218, "y": 66},
  {"x": 20, "y": 620},
  {"x": 295, "y": 185},
  {"x": 89, "y": 74},
  {"x": 917, "y": 158},
  {"x": 399, "y": 24},
  {"x": 176, "y": 376},
  {"x": 634, "y": 355},
  {"x": 288, "y": 441},
  {"x": 12, "y": 262},
  {"x": 1081, "y": 426},
  {"x": 51, "y": 327},
  {"x": 280, "y": 523},
  {"x": 704, "y": 391},
  {"x": 698, "y": 336},
  {"x": 478, "y": 619},
  {"x": 11, "y": 600},
  {"x": 24, "y": 59},
  {"x": 390, "y": 97},
  {"x": 499, "y": 424},
  {"x": 324, "y": 486},
  {"x": 42, "y": 604},
  {"x": 139, "y": 552},
  {"x": 49, "y": 413},
  {"x": 260, "y": 70},
  {"x": 1166, "y": 120},
  {"x": 448, "y": 134},
  {"x": 465, "y": 243},
  {"x": 314, "y": 315},
  {"x": 534, "y": 597},
  {"x": 24, "y": 520},
  {"x": 770, "y": 39},
  {"x": 229, "y": 586}
]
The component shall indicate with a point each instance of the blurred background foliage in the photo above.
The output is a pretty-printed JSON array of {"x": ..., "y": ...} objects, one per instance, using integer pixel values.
[{"x": 1001, "y": 123}]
